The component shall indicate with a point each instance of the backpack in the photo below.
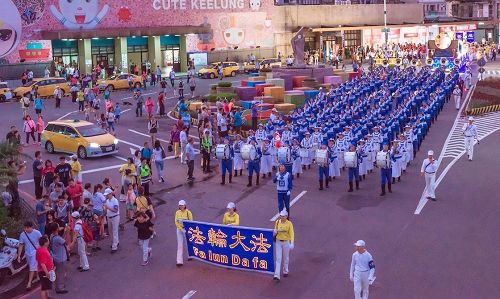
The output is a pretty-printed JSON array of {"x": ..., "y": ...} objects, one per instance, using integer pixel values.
[{"x": 87, "y": 233}]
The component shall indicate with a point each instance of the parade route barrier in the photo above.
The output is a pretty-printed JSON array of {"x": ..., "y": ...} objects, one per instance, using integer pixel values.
[
  {"x": 236, "y": 247},
  {"x": 482, "y": 110}
]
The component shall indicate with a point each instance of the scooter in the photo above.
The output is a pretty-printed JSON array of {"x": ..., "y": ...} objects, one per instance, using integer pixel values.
[{"x": 8, "y": 257}]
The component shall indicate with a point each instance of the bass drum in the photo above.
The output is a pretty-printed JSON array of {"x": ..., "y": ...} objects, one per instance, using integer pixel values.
[
  {"x": 222, "y": 151},
  {"x": 248, "y": 152},
  {"x": 322, "y": 156},
  {"x": 350, "y": 159},
  {"x": 383, "y": 159},
  {"x": 284, "y": 155}
]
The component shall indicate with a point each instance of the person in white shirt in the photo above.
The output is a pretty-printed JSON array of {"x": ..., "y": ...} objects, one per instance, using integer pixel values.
[
  {"x": 362, "y": 272},
  {"x": 457, "y": 95},
  {"x": 113, "y": 213},
  {"x": 428, "y": 169},
  {"x": 29, "y": 241},
  {"x": 46, "y": 73},
  {"x": 78, "y": 238},
  {"x": 469, "y": 131}
]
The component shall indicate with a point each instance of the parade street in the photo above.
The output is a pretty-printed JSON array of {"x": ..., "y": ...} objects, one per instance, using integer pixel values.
[{"x": 442, "y": 251}]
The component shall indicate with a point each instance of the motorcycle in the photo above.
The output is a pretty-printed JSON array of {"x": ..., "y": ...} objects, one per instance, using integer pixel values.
[{"x": 8, "y": 257}]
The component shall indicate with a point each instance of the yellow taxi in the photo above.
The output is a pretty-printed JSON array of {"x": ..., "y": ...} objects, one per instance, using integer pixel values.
[
  {"x": 119, "y": 82},
  {"x": 78, "y": 137},
  {"x": 5, "y": 92},
  {"x": 211, "y": 71},
  {"x": 268, "y": 62},
  {"x": 44, "y": 86}
]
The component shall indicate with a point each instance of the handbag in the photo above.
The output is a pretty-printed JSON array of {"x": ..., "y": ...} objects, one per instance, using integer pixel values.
[
  {"x": 169, "y": 148},
  {"x": 52, "y": 275}
]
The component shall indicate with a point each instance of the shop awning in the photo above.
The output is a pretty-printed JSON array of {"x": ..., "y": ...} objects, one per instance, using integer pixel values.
[
  {"x": 441, "y": 24},
  {"x": 123, "y": 32}
]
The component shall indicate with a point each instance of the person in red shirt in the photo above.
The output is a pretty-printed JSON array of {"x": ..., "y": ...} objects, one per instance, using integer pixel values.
[
  {"x": 75, "y": 192},
  {"x": 161, "y": 103},
  {"x": 45, "y": 266}
]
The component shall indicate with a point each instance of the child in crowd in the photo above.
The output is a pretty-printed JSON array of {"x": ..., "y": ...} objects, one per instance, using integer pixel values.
[
  {"x": 97, "y": 107},
  {"x": 118, "y": 112},
  {"x": 131, "y": 195},
  {"x": 87, "y": 112},
  {"x": 145, "y": 230}
]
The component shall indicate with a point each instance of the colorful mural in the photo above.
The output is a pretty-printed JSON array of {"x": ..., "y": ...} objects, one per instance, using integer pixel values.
[{"x": 242, "y": 23}]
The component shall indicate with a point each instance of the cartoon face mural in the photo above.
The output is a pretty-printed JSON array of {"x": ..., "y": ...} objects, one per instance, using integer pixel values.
[
  {"x": 233, "y": 35},
  {"x": 79, "y": 14},
  {"x": 10, "y": 27},
  {"x": 255, "y": 4}
]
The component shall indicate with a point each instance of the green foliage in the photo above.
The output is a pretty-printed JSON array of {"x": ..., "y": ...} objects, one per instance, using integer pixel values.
[
  {"x": 213, "y": 97},
  {"x": 213, "y": 87},
  {"x": 12, "y": 226},
  {"x": 8, "y": 152},
  {"x": 225, "y": 84}
]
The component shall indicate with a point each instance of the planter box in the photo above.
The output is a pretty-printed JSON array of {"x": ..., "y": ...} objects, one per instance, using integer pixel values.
[
  {"x": 295, "y": 97},
  {"x": 225, "y": 89},
  {"x": 275, "y": 92},
  {"x": 259, "y": 88}
]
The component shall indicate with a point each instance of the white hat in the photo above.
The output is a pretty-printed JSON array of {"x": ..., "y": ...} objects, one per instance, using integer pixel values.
[
  {"x": 182, "y": 202},
  {"x": 430, "y": 153},
  {"x": 231, "y": 205},
  {"x": 75, "y": 214},
  {"x": 108, "y": 191},
  {"x": 471, "y": 118},
  {"x": 360, "y": 243},
  {"x": 284, "y": 213}
]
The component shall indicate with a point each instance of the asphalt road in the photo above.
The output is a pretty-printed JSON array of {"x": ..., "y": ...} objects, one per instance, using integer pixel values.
[{"x": 447, "y": 251}]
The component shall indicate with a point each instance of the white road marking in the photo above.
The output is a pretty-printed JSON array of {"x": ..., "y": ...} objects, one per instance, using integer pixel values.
[
  {"x": 130, "y": 143},
  {"x": 126, "y": 110},
  {"x": 291, "y": 204},
  {"x": 83, "y": 172},
  {"x": 119, "y": 158},
  {"x": 146, "y": 135},
  {"x": 189, "y": 294},
  {"x": 454, "y": 145},
  {"x": 69, "y": 113}
]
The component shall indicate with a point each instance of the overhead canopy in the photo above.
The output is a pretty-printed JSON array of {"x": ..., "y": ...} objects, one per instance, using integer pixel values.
[{"x": 123, "y": 32}]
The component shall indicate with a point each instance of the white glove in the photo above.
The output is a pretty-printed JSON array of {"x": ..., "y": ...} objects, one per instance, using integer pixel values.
[
  {"x": 371, "y": 280},
  {"x": 288, "y": 193},
  {"x": 183, "y": 231},
  {"x": 292, "y": 246},
  {"x": 351, "y": 278}
]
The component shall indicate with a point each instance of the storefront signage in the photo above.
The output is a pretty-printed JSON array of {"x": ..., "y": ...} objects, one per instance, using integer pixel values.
[
  {"x": 470, "y": 36},
  {"x": 466, "y": 27},
  {"x": 201, "y": 4},
  {"x": 412, "y": 34},
  {"x": 237, "y": 247}
]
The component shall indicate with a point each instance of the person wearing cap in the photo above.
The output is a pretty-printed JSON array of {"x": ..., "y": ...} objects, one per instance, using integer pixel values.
[
  {"x": 307, "y": 144},
  {"x": 226, "y": 163},
  {"x": 297, "y": 160},
  {"x": 112, "y": 209},
  {"x": 260, "y": 134},
  {"x": 283, "y": 181},
  {"x": 78, "y": 238},
  {"x": 428, "y": 170},
  {"x": 386, "y": 171},
  {"x": 181, "y": 214},
  {"x": 362, "y": 271},
  {"x": 231, "y": 217},
  {"x": 254, "y": 165},
  {"x": 284, "y": 242},
  {"x": 238, "y": 163},
  {"x": 333, "y": 158},
  {"x": 457, "y": 95},
  {"x": 469, "y": 131},
  {"x": 266, "y": 163},
  {"x": 353, "y": 172}
]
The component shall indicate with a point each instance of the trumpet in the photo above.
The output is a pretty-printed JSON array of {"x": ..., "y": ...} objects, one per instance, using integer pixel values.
[
  {"x": 456, "y": 61},
  {"x": 429, "y": 61},
  {"x": 414, "y": 62},
  {"x": 444, "y": 61},
  {"x": 385, "y": 63},
  {"x": 398, "y": 61}
]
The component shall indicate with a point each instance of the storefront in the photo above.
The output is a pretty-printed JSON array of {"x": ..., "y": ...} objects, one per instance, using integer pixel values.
[
  {"x": 414, "y": 34},
  {"x": 65, "y": 52},
  {"x": 103, "y": 52},
  {"x": 170, "y": 52}
]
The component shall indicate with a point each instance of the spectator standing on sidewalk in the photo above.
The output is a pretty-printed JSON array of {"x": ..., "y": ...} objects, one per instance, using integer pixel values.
[
  {"x": 78, "y": 239},
  {"x": 112, "y": 210},
  {"x": 60, "y": 257},
  {"x": 183, "y": 139},
  {"x": 37, "y": 174},
  {"x": 29, "y": 241},
  {"x": 174, "y": 141},
  {"x": 29, "y": 128},
  {"x": 42, "y": 208},
  {"x": 40, "y": 126},
  {"x": 45, "y": 267},
  {"x": 190, "y": 156}
]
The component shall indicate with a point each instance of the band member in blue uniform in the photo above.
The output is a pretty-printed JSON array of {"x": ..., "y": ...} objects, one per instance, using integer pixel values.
[
  {"x": 283, "y": 181},
  {"x": 226, "y": 163},
  {"x": 254, "y": 164}
]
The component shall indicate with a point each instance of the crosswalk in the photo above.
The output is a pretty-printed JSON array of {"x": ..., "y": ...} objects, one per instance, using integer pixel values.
[
  {"x": 486, "y": 124},
  {"x": 491, "y": 73}
]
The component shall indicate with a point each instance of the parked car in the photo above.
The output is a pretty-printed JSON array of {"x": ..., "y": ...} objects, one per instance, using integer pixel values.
[
  {"x": 5, "y": 92},
  {"x": 46, "y": 87}
]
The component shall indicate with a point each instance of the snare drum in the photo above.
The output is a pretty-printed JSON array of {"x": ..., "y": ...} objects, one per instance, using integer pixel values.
[
  {"x": 383, "y": 159},
  {"x": 322, "y": 156},
  {"x": 284, "y": 155},
  {"x": 304, "y": 153},
  {"x": 222, "y": 151},
  {"x": 350, "y": 159},
  {"x": 248, "y": 152}
]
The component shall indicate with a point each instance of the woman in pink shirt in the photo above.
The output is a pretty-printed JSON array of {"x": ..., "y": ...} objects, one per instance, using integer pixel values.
[
  {"x": 29, "y": 128},
  {"x": 149, "y": 107}
]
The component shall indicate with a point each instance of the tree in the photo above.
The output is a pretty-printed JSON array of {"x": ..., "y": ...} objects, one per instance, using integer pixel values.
[{"x": 10, "y": 169}]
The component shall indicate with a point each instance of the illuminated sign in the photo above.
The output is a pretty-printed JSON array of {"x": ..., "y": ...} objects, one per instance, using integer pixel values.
[
  {"x": 237, "y": 247},
  {"x": 459, "y": 35},
  {"x": 470, "y": 36},
  {"x": 466, "y": 27}
]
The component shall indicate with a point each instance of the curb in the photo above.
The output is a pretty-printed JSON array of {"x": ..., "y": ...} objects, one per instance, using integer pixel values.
[{"x": 483, "y": 110}]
